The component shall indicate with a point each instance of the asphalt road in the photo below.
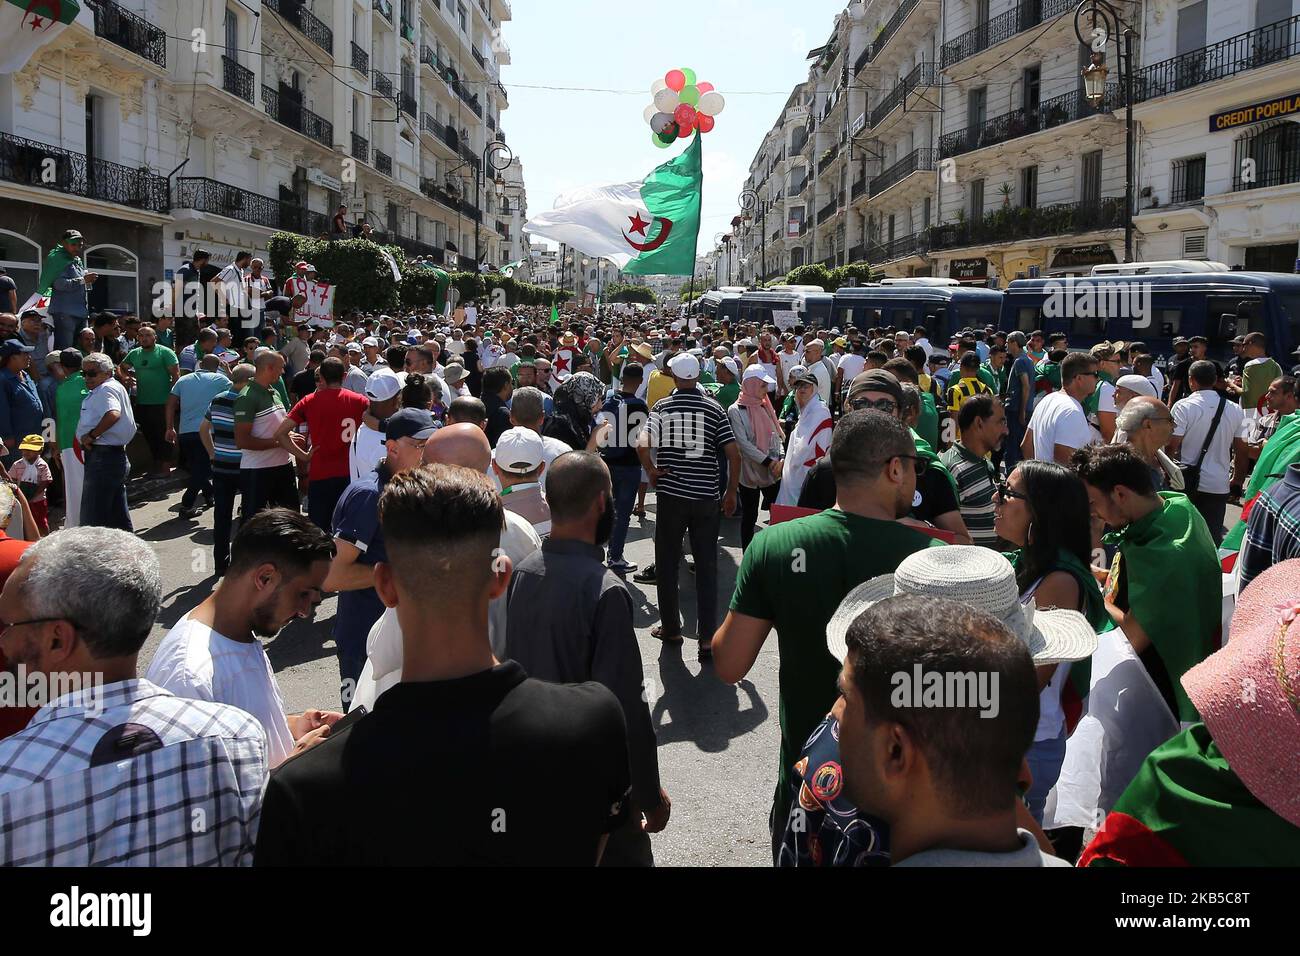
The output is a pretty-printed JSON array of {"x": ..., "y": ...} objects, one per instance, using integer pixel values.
[{"x": 717, "y": 743}]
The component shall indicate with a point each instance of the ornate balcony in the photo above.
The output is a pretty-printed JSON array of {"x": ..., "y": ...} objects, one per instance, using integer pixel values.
[
  {"x": 129, "y": 31},
  {"x": 383, "y": 85},
  {"x": 922, "y": 75},
  {"x": 1218, "y": 61},
  {"x": 383, "y": 163},
  {"x": 1018, "y": 19},
  {"x": 1010, "y": 224},
  {"x": 1047, "y": 114},
  {"x": 917, "y": 160},
  {"x": 297, "y": 117},
  {"x": 237, "y": 80},
  {"x": 360, "y": 60},
  {"x": 360, "y": 148},
  {"x": 887, "y": 32},
  {"x": 25, "y": 162},
  {"x": 220, "y": 199},
  {"x": 384, "y": 8},
  {"x": 307, "y": 23}
]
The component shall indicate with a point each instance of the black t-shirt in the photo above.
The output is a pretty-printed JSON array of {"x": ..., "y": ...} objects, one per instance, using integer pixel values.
[
  {"x": 934, "y": 495},
  {"x": 304, "y": 383},
  {"x": 495, "y": 769},
  {"x": 7, "y": 285}
]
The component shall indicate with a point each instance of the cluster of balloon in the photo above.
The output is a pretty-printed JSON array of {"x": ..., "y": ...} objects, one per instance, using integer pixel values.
[{"x": 682, "y": 105}]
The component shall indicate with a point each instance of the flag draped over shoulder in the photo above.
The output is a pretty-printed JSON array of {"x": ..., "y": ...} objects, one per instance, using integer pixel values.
[
  {"x": 58, "y": 260},
  {"x": 1167, "y": 573},
  {"x": 644, "y": 228},
  {"x": 1187, "y": 808},
  {"x": 27, "y": 25},
  {"x": 1280, "y": 452}
]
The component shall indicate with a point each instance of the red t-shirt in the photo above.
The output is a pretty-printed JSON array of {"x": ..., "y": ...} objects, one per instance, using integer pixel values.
[
  {"x": 332, "y": 416},
  {"x": 12, "y": 719}
]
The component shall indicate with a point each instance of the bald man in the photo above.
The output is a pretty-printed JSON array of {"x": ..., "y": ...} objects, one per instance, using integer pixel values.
[{"x": 465, "y": 445}]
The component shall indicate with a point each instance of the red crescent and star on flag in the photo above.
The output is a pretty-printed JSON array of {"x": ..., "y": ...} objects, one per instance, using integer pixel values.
[
  {"x": 639, "y": 226},
  {"x": 53, "y": 10}
]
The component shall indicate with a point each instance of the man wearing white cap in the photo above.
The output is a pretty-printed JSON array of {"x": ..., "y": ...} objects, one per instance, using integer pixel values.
[
  {"x": 355, "y": 378},
  {"x": 384, "y": 389},
  {"x": 374, "y": 359},
  {"x": 518, "y": 461}
]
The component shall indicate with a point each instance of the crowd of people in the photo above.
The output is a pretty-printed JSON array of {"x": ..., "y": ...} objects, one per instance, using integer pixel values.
[{"x": 948, "y": 541}]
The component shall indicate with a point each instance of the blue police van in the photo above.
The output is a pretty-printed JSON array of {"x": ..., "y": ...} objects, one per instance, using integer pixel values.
[
  {"x": 942, "y": 306},
  {"x": 1154, "y": 303},
  {"x": 811, "y": 305}
]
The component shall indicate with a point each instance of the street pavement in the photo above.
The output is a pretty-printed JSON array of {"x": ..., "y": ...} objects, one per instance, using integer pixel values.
[{"x": 717, "y": 743}]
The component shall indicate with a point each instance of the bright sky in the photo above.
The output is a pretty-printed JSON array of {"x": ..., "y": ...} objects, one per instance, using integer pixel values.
[{"x": 568, "y": 139}]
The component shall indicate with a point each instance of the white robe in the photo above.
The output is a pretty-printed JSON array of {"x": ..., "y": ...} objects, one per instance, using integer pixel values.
[{"x": 809, "y": 442}]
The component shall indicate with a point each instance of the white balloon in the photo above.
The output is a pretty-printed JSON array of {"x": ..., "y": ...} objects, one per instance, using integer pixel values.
[
  {"x": 712, "y": 103},
  {"x": 666, "y": 100},
  {"x": 660, "y": 122},
  {"x": 650, "y": 112},
  {"x": 657, "y": 85}
]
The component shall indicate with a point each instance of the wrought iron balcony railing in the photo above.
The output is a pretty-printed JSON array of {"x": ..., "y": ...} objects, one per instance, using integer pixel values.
[
  {"x": 1046, "y": 115},
  {"x": 26, "y": 162},
  {"x": 1010, "y": 224},
  {"x": 1018, "y": 19},
  {"x": 129, "y": 31},
  {"x": 858, "y": 254},
  {"x": 429, "y": 58},
  {"x": 291, "y": 113},
  {"x": 360, "y": 148},
  {"x": 887, "y": 32},
  {"x": 307, "y": 23},
  {"x": 384, "y": 163},
  {"x": 918, "y": 160},
  {"x": 221, "y": 199},
  {"x": 360, "y": 59},
  {"x": 897, "y": 248},
  {"x": 237, "y": 80},
  {"x": 384, "y": 8},
  {"x": 922, "y": 75},
  {"x": 1218, "y": 61},
  {"x": 408, "y": 103}
]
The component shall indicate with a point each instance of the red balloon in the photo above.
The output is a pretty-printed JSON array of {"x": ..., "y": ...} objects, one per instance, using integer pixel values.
[
  {"x": 676, "y": 80},
  {"x": 705, "y": 88},
  {"x": 705, "y": 122},
  {"x": 685, "y": 132},
  {"x": 685, "y": 114}
]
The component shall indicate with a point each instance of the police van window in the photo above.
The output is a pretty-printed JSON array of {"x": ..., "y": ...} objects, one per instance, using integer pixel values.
[
  {"x": 1028, "y": 319},
  {"x": 1093, "y": 325},
  {"x": 1165, "y": 324},
  {"x": 1248, "y": 311},
  {"x": 903, "y": 318},
  {"x": 1290, "y": 311}
]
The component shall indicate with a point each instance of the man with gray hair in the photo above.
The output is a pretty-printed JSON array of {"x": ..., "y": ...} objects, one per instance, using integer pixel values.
[
  {"x": 1145, "y": 423},
  {"x": 105, "y": 428},
  {"x": 83, "y": 601},
  {"x": 527, "y": 410}
]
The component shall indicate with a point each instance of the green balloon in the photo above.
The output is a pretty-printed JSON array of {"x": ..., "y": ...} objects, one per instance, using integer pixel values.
[
  {"x": 658, "y": 141},
  {"x": 691, "y": 78},
  {"x": 690, "y": 95}
]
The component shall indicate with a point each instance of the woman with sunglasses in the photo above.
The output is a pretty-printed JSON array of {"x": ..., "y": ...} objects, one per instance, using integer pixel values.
[{"x": 1042, "y": 508}]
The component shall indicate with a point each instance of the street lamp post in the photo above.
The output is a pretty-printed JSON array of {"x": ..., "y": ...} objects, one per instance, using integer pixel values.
[
  {"x": 491, "y": 153},
  {"x": 1095, "y": 22},
  {"x": 748, "y": 200}
]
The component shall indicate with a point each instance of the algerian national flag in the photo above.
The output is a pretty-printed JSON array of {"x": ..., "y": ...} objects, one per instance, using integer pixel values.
[
  {"x": 555, "y": 315},
  {"x": 29, "y": 25},
  {"x": 644, "y": 228}
]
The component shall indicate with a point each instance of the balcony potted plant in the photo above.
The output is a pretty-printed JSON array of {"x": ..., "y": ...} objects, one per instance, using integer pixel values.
[{"x": 1005, "y": 191}]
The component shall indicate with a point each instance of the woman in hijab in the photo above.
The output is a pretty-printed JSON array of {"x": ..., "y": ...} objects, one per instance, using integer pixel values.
[
  {"x": 577, "y": 401},
  {"x": 758, "y": 433}
]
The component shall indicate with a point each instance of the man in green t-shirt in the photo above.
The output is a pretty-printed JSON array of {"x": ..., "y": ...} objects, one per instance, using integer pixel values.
[
  {"x": 266, "y": 475},
  {"x": 794, "y": 575},
  {"x": 153, "y": 370},
  {"x": 1258, "y": 373},
  {"x": 67, "y": 412}
]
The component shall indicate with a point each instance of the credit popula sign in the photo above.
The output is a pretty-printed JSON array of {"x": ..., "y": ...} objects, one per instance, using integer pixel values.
[{"x": 1256, "y": 112}]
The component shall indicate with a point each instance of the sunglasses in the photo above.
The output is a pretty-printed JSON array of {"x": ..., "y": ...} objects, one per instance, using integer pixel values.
[
  {"x": 887, "y": 405},
  {"x": 1005, "y": 492}
]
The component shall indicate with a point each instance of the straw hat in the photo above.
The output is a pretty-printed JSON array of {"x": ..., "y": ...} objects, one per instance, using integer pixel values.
[
  {"x": 981, "y": 579},
  {"x": 1248, "y": 693}
]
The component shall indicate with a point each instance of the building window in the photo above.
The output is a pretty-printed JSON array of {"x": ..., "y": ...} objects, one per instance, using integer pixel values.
[
  {"x": 1188, "y": 179},
  {"x": 976, "y": 106},
  {"x": 1090, "y": 183},
  {"x": 21, "y": 259},
  {"x": 976, "y": 209},
  {"x": 232, "y": 35},
  {"x": 1031, "y": 87},
  {"x": 119, "y": 285},
  {"x": 464, "y": 17},
  {"x": 925, "y": 213},
  {"x": 1029, "y": 187}
]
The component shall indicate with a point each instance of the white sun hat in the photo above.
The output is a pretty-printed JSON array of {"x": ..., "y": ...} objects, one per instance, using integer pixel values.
[{"x": 980, "y": 579}]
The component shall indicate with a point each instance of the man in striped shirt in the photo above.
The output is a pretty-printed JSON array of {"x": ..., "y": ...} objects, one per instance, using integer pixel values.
[
  {"x": 689, "y": 432},
  {"x": 218, "y": 435},
  {"x": 983, "y": 425}
]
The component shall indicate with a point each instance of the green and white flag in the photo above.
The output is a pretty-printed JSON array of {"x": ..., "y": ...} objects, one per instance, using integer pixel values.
[
  {"x": 29, "y": 25},
  {"x": 645, "y": 228}
]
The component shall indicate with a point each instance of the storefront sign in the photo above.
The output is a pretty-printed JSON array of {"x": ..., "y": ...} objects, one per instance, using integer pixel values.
[
  {"x": 1072, "y": 257},
  {"x": 973, "y": 271},
  {"x": 1256, "y": 113}
]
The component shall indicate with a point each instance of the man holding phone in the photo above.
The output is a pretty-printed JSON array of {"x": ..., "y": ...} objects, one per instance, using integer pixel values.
[
  {"x": 278, "y": 563},
  {"x": 65, "y": 276}
]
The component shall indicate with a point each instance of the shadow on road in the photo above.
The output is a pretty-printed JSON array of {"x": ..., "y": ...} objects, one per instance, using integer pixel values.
[
  {"x": 703, "y": 710},
  {"x": 301, "y": 642}
]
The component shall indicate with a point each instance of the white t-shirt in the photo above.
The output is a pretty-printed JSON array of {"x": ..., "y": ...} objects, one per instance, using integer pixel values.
[
  {"x": 366, "y": 453},
  {"x": 787, "y": 360},
  {"x": 851, "y": 366},
  {"x": 195, "y": 662},
  {"x": 1192, "y": 418},
  {"x": 1105, "y": 403},
  {"x": 1059, "y": 420},
  {"x": 1157, "y": 378},
  {"x": 384, "y": 645}
]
